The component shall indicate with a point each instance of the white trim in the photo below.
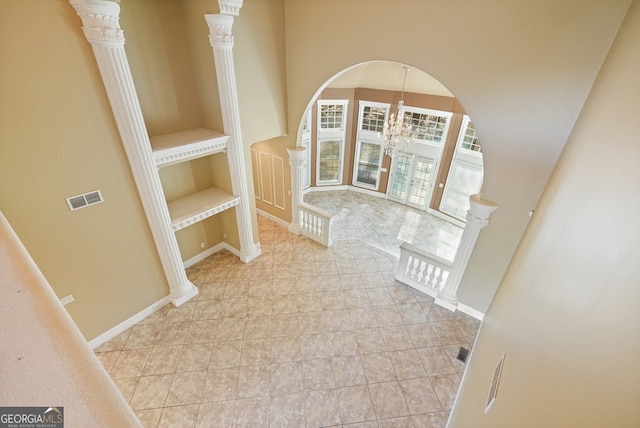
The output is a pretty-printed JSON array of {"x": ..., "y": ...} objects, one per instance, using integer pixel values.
[
  {"x": 203, "y": 255},
  {"x": 366, "y": 191},
  {"x": 474, "y": 313},
  {"x": 130, "y": 322},
  {"x": 272, "y": 218},
  {"x": 274, "y": 159}
]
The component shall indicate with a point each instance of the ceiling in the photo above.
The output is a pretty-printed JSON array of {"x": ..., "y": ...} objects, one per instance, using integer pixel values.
[{"x": 388, "y": 75}]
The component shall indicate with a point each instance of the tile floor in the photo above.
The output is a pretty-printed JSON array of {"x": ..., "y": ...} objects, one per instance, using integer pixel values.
[
  {"x": 303, "y": 336},
  {"x": 385, "y": 224}
]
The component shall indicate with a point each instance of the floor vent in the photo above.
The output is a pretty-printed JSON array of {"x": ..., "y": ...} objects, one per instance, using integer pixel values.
[
  {"x": 84, "y": 200},
  {"x": 495, "y": 382},
  {"x": 463, "y": 353}
]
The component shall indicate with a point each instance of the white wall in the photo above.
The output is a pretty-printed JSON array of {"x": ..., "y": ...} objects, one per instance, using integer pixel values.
[{"x": 566, "y": 314}]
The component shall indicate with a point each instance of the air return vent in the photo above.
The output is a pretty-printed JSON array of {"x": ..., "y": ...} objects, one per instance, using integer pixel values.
[
  {"x": 84, "y": 200},
  {"x": 495, "y": 382}
]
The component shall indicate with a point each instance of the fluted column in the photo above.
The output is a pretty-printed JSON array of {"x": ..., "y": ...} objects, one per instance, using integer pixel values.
[
  {"x": 222, "y": 43},
  {"x": 101, "y": 27},
  {"x": 477, "y": 219},
  {"x": 297, "y": 159}
]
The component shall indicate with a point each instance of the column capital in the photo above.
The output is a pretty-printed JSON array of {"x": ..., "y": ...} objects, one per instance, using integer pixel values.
[
  {"x": 101, "y": 21},
  {"x": 220, "y": 30},
  {"x": 297, "y": 157},
  {"x": 480, "y": 210},
  {"x": 230, "y": 7}
]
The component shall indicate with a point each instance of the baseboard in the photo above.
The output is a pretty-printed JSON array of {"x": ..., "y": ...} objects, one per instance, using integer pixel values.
[
  {"x": 368, "y": 192},
  {"x": 201, "y": 256},
  {"x": 470, "y": 311},
  {"x": 273, "y": 218},
  {"x": 130, "y": 322}
]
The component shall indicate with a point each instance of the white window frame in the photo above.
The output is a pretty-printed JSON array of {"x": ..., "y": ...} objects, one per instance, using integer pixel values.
[
  {"x": 369, "y": 137},
  {"x": 446, "y": 114},
  {"x": 464, "y": 158},
  {"x": 332, "y": 134},
  {"x": 305, "y": 141}
]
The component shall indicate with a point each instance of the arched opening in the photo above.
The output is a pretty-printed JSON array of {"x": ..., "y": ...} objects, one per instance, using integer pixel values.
[{"x": 342, "y": 132}]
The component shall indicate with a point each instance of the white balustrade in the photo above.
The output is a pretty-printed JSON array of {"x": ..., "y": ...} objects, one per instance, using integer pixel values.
[
  {"x": 315, "y": 224},
  {"x": 422, "y": 270}
]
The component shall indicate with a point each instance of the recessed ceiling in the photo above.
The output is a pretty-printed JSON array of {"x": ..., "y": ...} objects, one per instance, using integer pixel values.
[{"x": 388, "y": 76}]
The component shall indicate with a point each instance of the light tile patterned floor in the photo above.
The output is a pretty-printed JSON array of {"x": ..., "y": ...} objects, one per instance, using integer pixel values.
[
  {"x": 385, "y": 224},
  {"x": 303, "y": 336}
]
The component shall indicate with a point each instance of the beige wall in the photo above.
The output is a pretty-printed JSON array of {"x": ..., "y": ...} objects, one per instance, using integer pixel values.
[
  {"x": 566, "y": 314},
  {"x": 58, "y": 139},
  {"x": 522, "y": 71}
]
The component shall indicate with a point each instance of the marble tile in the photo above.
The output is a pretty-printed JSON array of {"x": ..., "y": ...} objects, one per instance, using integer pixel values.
[
  {"x": 363, "y": 318},
  {"x": 180, "y": 314},
  {"x": 315, "y": 346},
  {"x": 151, "y": 392},
  {"x": 435, "y": 361},
  {"x": 431, "y": 420},
  {"x": 162, "y": 360},
  {"x": 401, "y": 422},
  {"x": 256, "y": 351},
  {"x": 380, "y": 296},
  {"x": 286, "y": 378},
  {"x": 108, "y": 358},
  {"x": 257, "y": 327},
  {"x": 142, "y": 336},
  {"x": 321, "y": 408},
  {"x": 230, "y": 329},
  {"x": 355, "y": 404},
  {"x": 369, "y": 340},
  {"x": 446, "y": 388},
  {"x": 202, "y": 331},
  {"x": 285, "y": 325},
  {"x": 127, "y": 386},
  {"x": 251, "y": 413},
  {"x": 420, "y": 396},
  {"x": 412, "y": 313},
  {"x": 194, "y": 357},
  {"x": 180, "y": 416},
  {"x": 337, "y": 320},
  {"x": 285, "y": 348},
  {"x": 217, "y": 414},
  {"x": 448, "y": 333},
  {"x": 396, "y": 338},
  {"x": 388, "y": 400},
  {"x": 186, "y": 388},
  {"x": 149, "y": 418},
  {"x": 225, "y": 354},
  {"x": 130, "y": 363},
  {"x": 207, "y": 310},
  {"x": 287, "y": 410},
  {"x": 348, "y": 371},
  {"x": 387, "y": 315},
  {"x": 172, "y": 333},
  {"x": 259, "y": 306},
  {"x": 221, "y": 384},
  {"x": 318, "y": 374},
  {"x": 422, "y": 335},
  {"x": 378, "y": 367},
  {"x": 116, "y": 343},
  {"x": 254, "y": 381},
  {"x": 407, "y": 364}
]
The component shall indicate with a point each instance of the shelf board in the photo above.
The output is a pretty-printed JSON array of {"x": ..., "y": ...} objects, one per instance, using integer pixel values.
[
  {"x": 183, "y": 146},
  {"x": 198, "y": 206}
]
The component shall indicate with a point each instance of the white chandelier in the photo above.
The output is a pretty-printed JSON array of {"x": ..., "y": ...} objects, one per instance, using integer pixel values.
[{"x": 398, "y": 137}]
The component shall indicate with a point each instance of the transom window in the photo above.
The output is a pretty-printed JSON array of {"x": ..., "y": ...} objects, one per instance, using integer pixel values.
[
  {"x": 428, "y": 125},
  {"x": 373, "y": 118},
  {"x": 331, "y": 116},
  {"x": 470, "y": 139}
]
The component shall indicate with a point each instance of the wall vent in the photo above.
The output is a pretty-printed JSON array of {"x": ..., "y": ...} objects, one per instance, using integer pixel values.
[
  {"x": 84, "y": 200},
  {"x": 495, "y": 382}
]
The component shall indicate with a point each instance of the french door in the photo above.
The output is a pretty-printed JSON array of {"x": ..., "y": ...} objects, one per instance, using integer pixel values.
[{"x": 411, "y": 180}]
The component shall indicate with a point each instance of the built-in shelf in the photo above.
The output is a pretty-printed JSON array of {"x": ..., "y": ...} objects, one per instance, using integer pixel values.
[
  {"x": 169, "y": 149},
  {"x": 198, "y": 206}
]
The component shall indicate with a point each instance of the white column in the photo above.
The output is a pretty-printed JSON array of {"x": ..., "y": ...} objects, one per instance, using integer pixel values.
[
  {"x": 101, "y": 27},
  {"x": 297, "y": 159},
  {"x": 222, "y": 43},
  {"x": 477, "y": 219}
]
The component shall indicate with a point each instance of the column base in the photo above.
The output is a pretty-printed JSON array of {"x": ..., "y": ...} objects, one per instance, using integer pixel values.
[
  {"x": 191, "y": 292},
  {"x": 452, "y": 306},
  {"x": 248, "y": 255}
]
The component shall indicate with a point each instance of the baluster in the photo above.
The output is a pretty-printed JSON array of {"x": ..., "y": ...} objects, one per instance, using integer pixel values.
[
  {"x": 438, "y": 280},
  {"x": 432, "y": 275},
  {"x": 424, "y": 266}
]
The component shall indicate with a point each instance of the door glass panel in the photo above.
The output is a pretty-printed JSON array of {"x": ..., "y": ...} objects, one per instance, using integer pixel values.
[
  {"x": 401, "y": 177},
  {"x": 464, "y": 180},
  {"x": 421, "y": 182}
]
